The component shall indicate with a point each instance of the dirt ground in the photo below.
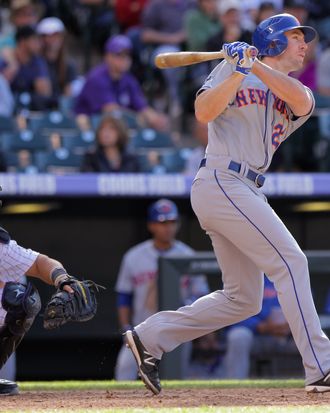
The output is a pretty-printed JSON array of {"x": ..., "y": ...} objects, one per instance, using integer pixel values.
[{"x": 41, "y": 400}]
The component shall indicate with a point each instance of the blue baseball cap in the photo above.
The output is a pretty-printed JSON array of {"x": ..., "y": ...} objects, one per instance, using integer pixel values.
[
  {"x": 163, "y": 210},
  {"x": 117, "y": 44}
]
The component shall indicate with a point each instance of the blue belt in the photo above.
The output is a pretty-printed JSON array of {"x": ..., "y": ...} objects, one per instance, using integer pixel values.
[{"x": 258, "y": 179}]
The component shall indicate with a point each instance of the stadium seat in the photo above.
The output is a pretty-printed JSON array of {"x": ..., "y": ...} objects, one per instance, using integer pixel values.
[
  {"x": 21, "y": 161},
  {"x": 54, "y": 122},
  {"x": 150, "y": 162},
  {"x": 26, "y": 139},
  {"x": 129, "y": 118},
  {"x": 7, "y": 124},
  {"x": 150, "y": 138},
  {"x": 324, "y": 124},
  {"x": 174, "y": 161},
  {"x": 59, "y": 161},
  {"x": 80, "y": 143}
]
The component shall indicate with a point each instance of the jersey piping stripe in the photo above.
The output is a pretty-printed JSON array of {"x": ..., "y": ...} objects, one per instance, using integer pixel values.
[
  {"x": 265, "y": 131},
  {"x": 283, "y": 259}
]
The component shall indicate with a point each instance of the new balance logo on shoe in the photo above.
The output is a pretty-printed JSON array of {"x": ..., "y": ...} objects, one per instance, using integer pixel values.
[{"x": 148, "y": 359}]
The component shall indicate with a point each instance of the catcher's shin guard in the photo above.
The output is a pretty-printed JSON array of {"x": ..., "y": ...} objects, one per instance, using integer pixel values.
[
  {"x": 8, "y": 344},
  {"x": 22, "y": 303}
]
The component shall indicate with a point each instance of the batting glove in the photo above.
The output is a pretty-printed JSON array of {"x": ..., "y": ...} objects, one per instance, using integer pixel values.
[{"x": 238, "y": 54}]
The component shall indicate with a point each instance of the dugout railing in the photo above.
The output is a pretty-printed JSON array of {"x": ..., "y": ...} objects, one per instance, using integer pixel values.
[{"x": 172, "y": 268}]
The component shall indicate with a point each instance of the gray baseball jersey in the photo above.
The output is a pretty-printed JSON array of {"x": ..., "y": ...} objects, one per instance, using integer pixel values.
[
  {"x": 138, "y": 276},
  {"x": 248, "y": 238},
  {"x": 269, "y": 122}
]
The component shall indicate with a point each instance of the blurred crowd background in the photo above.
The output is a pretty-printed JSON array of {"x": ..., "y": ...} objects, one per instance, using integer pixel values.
[{"x": 79, "y": 91}]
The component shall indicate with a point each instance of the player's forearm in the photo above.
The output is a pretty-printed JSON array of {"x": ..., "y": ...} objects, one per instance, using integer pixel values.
[
  {"x": 288, "y": 89},
  {"x": 212, "y": 102},
  {"x": 43, "y": 267}
]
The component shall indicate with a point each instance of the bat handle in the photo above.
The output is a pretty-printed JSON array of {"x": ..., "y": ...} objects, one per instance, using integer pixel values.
[{"x": 251, "y": 52}]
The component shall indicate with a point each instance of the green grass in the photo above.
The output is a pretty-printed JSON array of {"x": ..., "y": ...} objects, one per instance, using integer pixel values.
[{"x": 171, "y": 384}]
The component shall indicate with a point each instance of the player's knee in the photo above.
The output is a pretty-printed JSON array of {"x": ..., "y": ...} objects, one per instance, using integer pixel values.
[
  {"x": 22, "y": 303},
  {"x": 301, "y": 259},
  {"x": 252, "y": 306}
]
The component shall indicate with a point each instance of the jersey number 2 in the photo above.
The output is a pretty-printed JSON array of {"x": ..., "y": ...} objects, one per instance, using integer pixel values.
[{"x": 278, "y": 132}]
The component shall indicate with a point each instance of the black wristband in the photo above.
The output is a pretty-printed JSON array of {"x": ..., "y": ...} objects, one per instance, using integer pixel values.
[{"x": 56, "y": 273}]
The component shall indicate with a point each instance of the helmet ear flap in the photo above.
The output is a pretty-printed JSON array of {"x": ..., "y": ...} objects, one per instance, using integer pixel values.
[{"x": 278, "y": 45}]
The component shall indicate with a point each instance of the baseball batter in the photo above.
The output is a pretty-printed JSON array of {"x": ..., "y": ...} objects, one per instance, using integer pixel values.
[
  {"x": 137, "y": 280},
  {"x": 251, "y": 106}
]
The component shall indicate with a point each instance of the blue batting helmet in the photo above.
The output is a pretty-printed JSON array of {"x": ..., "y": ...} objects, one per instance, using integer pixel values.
[
  {"x": 269, "y": 37},
  {"x": 163, "y": 210}
]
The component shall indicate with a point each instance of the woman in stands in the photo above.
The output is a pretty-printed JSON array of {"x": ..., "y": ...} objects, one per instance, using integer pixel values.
[
  {"x": 110, "y": 153},
  {"x": 61, "y": 69}
]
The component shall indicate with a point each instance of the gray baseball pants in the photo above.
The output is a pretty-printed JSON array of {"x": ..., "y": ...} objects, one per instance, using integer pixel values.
[{"x": 249, "y": 239}]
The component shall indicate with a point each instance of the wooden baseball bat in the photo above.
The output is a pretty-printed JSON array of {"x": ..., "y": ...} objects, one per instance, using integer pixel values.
[{"x": 178, "y": 59}]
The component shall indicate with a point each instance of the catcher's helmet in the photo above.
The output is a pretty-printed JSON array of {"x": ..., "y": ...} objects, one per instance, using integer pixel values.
[
  {"x": 269, "y": 37},
  {"x": 163, "y": 210}
]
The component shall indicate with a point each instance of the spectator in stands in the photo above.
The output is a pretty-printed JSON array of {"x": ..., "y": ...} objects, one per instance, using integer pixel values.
[
  {"x": 128, "y": 13},
  {"x": 267, "y": 332},
  {"x": 32, "y": 76},
  {"x": 22, "y": 13},
  {"x": 323, "y": 79},
  {"x": 25, "y": 162},
  {"x": 200, "y": 24},
  {"x": 61, "y": 69},
  {"x": 298, "y": 8},
  {"x": 198, "y": 153},
  {"x": 229, "y": 14},
  {"x": 265, "y": 10},
  {"x": 163, "y": 31},
  {"x": 110, "y": 86},
  {"x": 136, "y": 286},
  {"x": 91, "y": 21},
  {"x": 110, "y": 154},
  {"x": 6, "y": 96}
]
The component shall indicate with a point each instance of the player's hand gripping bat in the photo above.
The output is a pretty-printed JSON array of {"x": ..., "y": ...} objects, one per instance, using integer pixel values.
[{"x": 177, "y": 59}]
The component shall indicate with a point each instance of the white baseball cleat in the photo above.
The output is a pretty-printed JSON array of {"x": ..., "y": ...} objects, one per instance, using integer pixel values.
[{"x": 8, "y": 388}]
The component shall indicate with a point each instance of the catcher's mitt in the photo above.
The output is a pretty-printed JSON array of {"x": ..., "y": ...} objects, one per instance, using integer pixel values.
[{"x": 78, "y": 306}]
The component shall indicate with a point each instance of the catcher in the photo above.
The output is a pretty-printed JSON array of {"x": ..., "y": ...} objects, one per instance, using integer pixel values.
[{"x": 73, "y": 300}]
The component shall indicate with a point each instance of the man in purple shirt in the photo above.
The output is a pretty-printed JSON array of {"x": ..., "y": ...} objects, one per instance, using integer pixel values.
[
  {"x": 110, "y": 86},
  {"x": 31, "y": 75}
]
